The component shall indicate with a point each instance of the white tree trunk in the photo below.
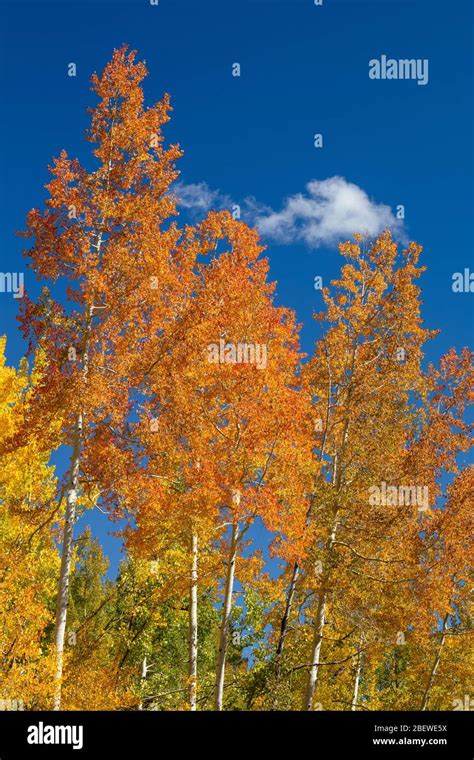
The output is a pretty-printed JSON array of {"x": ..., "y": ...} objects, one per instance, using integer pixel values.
[
  {"x": 316, "y": 650},
  {"x": 355, "y": 694},
  {"x": 193, "y": 623},
  {"x": 223, "y": 634},
  {"x": 320, "y": 618},
  {"x": 66, "y": 555},
  {"x": 434, "y": 669},
  {"x": 319, "y": 623},
  {"x": 69, "y": 520},
  {"x": 144, "y": 675}
]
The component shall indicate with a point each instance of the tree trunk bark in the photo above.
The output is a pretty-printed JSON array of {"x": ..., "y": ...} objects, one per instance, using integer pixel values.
[
  {"x": 316, "y": 649},
  {"x": 296, "y": 569},
  {"x": 144, "y": 675},
  {"x": 357, "y": 681},
  {"x": 321, "y": 610},
  {"x": 66, "y": 555},
  {"x": 286, "y": 617},
  {"x": 434, "y": 669},
  {"x": 223, "y": 634},
  {"x": 69, "y": 520},
  {"x": 290, "y": 595},
  {"x": 193, "y": 623},
  {"x": 319, "y": 622}
]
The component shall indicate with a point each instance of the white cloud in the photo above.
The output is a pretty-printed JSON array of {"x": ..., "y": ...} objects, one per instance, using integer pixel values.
[
  {"x": 199, "y": 197},
  {"x": 330, "y": 211}
]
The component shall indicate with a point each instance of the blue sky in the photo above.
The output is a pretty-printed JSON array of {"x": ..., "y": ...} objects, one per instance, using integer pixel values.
[{"x": 304, "y": 70}]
